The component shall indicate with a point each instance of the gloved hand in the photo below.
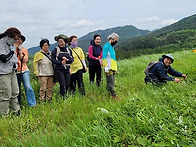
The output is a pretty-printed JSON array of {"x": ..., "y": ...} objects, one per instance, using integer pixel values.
[{"x": 106, "y": 69}]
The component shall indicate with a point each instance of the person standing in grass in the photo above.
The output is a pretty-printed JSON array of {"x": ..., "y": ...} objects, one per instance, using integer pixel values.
[
  {"x": 62, "y": 58},
  {"x": 77, "y": 66},
  {"x": 43, "y": 69},
  {"x": 23, "y": 72},
  {"x": 8, "y": 64},
  {"x": 109, "y": 63},
  {"x": 158, "y": 74},
  {"x": 95, "y": 53}
]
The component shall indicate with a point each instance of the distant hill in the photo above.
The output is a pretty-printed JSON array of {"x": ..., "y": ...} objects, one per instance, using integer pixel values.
[
  {"x": 33, "y": 50},
  {"x": 177, "y": 36},
  {"x": 125, "y": 33}
]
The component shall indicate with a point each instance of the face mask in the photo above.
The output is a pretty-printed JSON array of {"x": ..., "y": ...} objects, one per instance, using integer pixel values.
[
  {"x": 10, "y": 41},
  {"x": 114, "y": 43},
  {"x": 74, "y": 44}
]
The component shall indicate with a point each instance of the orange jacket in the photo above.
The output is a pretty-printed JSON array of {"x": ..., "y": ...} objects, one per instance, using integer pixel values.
[{"x": 23, "y": 51}]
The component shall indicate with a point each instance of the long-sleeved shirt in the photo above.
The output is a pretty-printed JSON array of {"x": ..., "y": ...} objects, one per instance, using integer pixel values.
[
  {"x": 94, "y": 51},
  {"x": 24, "y": 51},
  {"x": 109, "y": 57},
  {"x": 8, "y": 59},
  {"x": 77, "y": 65},
  {"x": 57, "y": 57},
  {"x": 42, "y": 65}
]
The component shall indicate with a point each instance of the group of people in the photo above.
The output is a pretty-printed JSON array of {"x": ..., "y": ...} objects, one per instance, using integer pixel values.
[{"x": 65, "y": 64}]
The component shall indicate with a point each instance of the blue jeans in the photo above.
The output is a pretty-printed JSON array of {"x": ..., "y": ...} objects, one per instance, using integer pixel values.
[{"x": 25, "y": 79}]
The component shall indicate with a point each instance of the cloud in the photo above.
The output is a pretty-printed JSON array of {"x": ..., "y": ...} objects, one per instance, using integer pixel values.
[
  {"x": 82, "y": 23},
  {"x": 61, "y": 24},
  {"x": 152, "y": 18},
  {"x": 168, "y": 21},
  {"x": 121, "y": 20}
]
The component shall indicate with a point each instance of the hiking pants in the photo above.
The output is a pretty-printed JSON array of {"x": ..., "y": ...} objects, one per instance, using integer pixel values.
[
  {"x": 46, "y": 85},
  {"x": 77, "y": 77},
  {"x": 110, "y": 78},
  {"x": 8, "y": 93},
  {"x": 64, "y": 80},
  {"x": 95, "y": 70}
]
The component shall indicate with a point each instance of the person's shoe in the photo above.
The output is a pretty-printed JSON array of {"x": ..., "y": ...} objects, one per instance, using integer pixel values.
[
  {"x": 17, "y": 113},
  {"x": 116, "y": 98},
  {"x": 34, "y": 106}
]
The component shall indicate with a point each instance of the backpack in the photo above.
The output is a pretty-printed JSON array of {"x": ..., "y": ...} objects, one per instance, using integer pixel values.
[{"x": 150, "y": 66}]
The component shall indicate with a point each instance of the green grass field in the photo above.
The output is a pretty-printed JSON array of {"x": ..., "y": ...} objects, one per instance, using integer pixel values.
[{"x": 146, "y": 116}]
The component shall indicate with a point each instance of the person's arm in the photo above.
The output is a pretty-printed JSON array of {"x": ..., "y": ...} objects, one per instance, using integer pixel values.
[
  {"x": 82, "y": 57},
  {"x": 25, "y": 55},
  {"x": 161, "y": 73},
  {"x": 70, "y": 58},
  {"x": 172, "y": 72},
  {"x": 36, "y": 60},
  {"x": 90, "y": 52},
  {"x": 57, "y": 62},
  {"x": 4, "y": 58},
  {"x": 104, "y": 55}
]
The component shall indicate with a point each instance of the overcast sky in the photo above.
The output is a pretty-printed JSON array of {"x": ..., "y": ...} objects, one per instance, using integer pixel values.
[{"x": 38, "y": 19}]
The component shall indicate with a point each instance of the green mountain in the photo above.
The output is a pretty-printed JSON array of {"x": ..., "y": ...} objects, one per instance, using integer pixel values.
[
  {"x": 125, "y": 33},
  {"x": 178, "y": 36}
]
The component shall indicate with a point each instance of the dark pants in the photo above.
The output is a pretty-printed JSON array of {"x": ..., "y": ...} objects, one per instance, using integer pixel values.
[
  {"x": 95, "y": 69},
  {"x": 77, "y": 77},
  {"x": 64, "y": 80},
  {"x": 151, "y": 78}
]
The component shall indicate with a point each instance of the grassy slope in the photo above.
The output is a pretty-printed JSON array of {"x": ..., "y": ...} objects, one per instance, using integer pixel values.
[{"x": 147, "y": 115}]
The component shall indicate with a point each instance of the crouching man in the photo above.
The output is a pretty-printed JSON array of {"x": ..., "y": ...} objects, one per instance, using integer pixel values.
[{"x": 158, "y": 74}]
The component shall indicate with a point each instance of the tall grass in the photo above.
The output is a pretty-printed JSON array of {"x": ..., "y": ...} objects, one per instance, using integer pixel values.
[{"x": 146, "y": 116}]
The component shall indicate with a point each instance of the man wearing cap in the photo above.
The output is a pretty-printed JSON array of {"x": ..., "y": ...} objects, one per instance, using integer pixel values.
[
  {"x": 23, "y": 74},
  {"x": 159, "y": 72}
]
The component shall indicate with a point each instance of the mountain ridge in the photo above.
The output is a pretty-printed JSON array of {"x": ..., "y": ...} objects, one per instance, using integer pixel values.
[{"x": 125, "y": 32}]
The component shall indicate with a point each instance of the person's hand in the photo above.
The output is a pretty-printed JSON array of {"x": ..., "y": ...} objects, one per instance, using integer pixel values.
[
  {"x": 184, "y": 76},
  {"x": 99, "y": 57},
  {"x": 177, "y": 80},
  {"x": 106, "y": 69},
  {"x": 86, "y": 69},
  {"x": 22, "y": 55},
  {"x": 64, "y": 58},
  {"x": 63, "y": 62}
]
